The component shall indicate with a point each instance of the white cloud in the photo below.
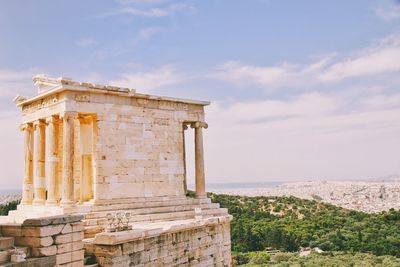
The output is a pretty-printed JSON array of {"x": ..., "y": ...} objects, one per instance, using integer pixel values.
[
  {"x": 11, "y": 159},
  {"x": 127, "y": 47},
  {"x": 305, "y": 105},
  {"x": 388, "y": 13},
  {"x": 148, "y": 32},
  {"x": 141, "y": 2},
  {"x": 375, "y": 60},
  {"x": 85, "y": 42},
  {"x": 309, "y": 136},
  {"x": 152, "y": 79},
  {"x": 151, "y": 9},
  {"x": 13, "y": 82},
  {"x": 370, "y": 62},
  {"x": 279, "y": 75}
]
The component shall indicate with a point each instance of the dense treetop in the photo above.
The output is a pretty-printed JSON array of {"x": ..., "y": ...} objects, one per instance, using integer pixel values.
[{"x": 288, "y": 223}]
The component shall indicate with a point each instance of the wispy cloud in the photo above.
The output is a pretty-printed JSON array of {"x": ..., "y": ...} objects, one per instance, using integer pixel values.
[
  {"x": 278, "y": 75},
  {"x": 156, "y": 12},
  {"x": 142, "y": 35},
  {"x": 298, "y": 134},
  {"x": 148, "y": 32},
  {"x": 371, "y": 61},
  {"x": 13, "y": 82},
  {"x": 142, "y": 2},
  {"x": 151, "y": 9},
  {"x": 374, "y": 60},
  {"x": 85, "y": 42},
  {"x": 148, "y": 80},
  {"x": 390, "y": 12},
  {"x": 301, "y": 136}
]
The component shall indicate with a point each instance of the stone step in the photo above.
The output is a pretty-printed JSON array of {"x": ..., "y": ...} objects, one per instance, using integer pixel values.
[
  {"x": 188, "y": 214},
  {"x": 153, "y": 210},
  {"x": 150, "y": 204},
  {"x": 92, "y": 230},
  {"x": 6, "y": 243},
  {"x": 168, "y": 216},
  {"x": 214, "y": 212},
  {"x": 92, "y": 265}
]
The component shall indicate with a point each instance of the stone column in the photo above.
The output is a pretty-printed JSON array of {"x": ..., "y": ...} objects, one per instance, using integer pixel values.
[
  {"x": 39, "y": 163},
  {"x": 185, "y": 127},
  {"x": 86, "y": 150},
  {"x": 27, "y": 188},
  {"x": 67, "y": 194},
  {"x": 199, "y": 158},
  {"x": 52, "y": 160}
]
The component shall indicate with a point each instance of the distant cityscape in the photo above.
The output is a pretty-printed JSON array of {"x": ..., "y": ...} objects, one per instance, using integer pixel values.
[
  {"x": 9, "y": 195},
  {"x": 356, "y": 195}
]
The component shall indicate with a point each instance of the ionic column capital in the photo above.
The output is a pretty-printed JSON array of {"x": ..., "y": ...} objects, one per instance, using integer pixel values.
[
  {"x": 186, "y": 125},
  {"x": 68, "y": 115},
  {"x": 85, "y": 118},
  {"x": 38, "y": 123},
  {"x": 51, "y": 119},
  {"x": 26, "y": 127},
  {"x": 199, "y": 124}
]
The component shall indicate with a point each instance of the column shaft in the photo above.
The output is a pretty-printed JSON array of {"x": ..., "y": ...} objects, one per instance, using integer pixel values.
[
  {"x": 199, "y": 159},
  {"x": 184, "y": 126},
  {"x": 39, "y": 163},
  {"x": 27, "y": 188},
  {"x": 52, "y": 160},
  {"x": 67, "y": 196}
]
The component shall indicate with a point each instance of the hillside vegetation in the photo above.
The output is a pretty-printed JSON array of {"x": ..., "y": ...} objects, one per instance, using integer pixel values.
[
  {"x": 349, "y": 238},
  {"x": 4, "y": 209},
  {"x": 333, "y": 259},
  {"x": 288, "y": 223}
]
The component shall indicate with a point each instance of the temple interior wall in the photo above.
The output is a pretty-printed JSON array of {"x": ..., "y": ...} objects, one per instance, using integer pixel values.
[{"x": 139, "y": 149}]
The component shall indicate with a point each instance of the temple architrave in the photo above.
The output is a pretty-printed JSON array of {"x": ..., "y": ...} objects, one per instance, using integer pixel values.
[{"x": 99, "y": 150}]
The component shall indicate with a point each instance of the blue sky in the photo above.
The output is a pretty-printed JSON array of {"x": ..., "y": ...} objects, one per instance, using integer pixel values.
[{"x": 300, "y": 89}]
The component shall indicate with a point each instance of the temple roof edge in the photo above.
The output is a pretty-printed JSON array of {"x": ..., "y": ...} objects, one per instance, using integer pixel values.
[{"x": 48, "y": 86}]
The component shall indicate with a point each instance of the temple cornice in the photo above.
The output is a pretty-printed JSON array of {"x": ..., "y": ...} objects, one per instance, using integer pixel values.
[{"x": 49, "y": 86}]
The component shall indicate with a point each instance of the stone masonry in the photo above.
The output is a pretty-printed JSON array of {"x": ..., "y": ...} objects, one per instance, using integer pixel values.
[
  {"x": 50, "y": 241},
  {"x": 205, "y": 243}
]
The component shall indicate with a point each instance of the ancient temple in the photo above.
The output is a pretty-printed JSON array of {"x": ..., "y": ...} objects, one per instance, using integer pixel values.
[
  {"x": 98, "y": 150},
  {"x": 88, "y": 144}
]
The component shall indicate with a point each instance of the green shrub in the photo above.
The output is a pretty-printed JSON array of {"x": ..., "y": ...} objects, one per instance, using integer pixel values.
[
  {"x": 259, "y": 257},
  {"x": 281, "y": 257},
  {"x": 241, "y": 258},
  {"x": 4, "y": 209}
]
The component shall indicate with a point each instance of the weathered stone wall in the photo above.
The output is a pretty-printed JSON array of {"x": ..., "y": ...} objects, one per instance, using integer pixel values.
[
  {"x": 58, "y": 239},
  {"x": 204, "y": 246}
]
